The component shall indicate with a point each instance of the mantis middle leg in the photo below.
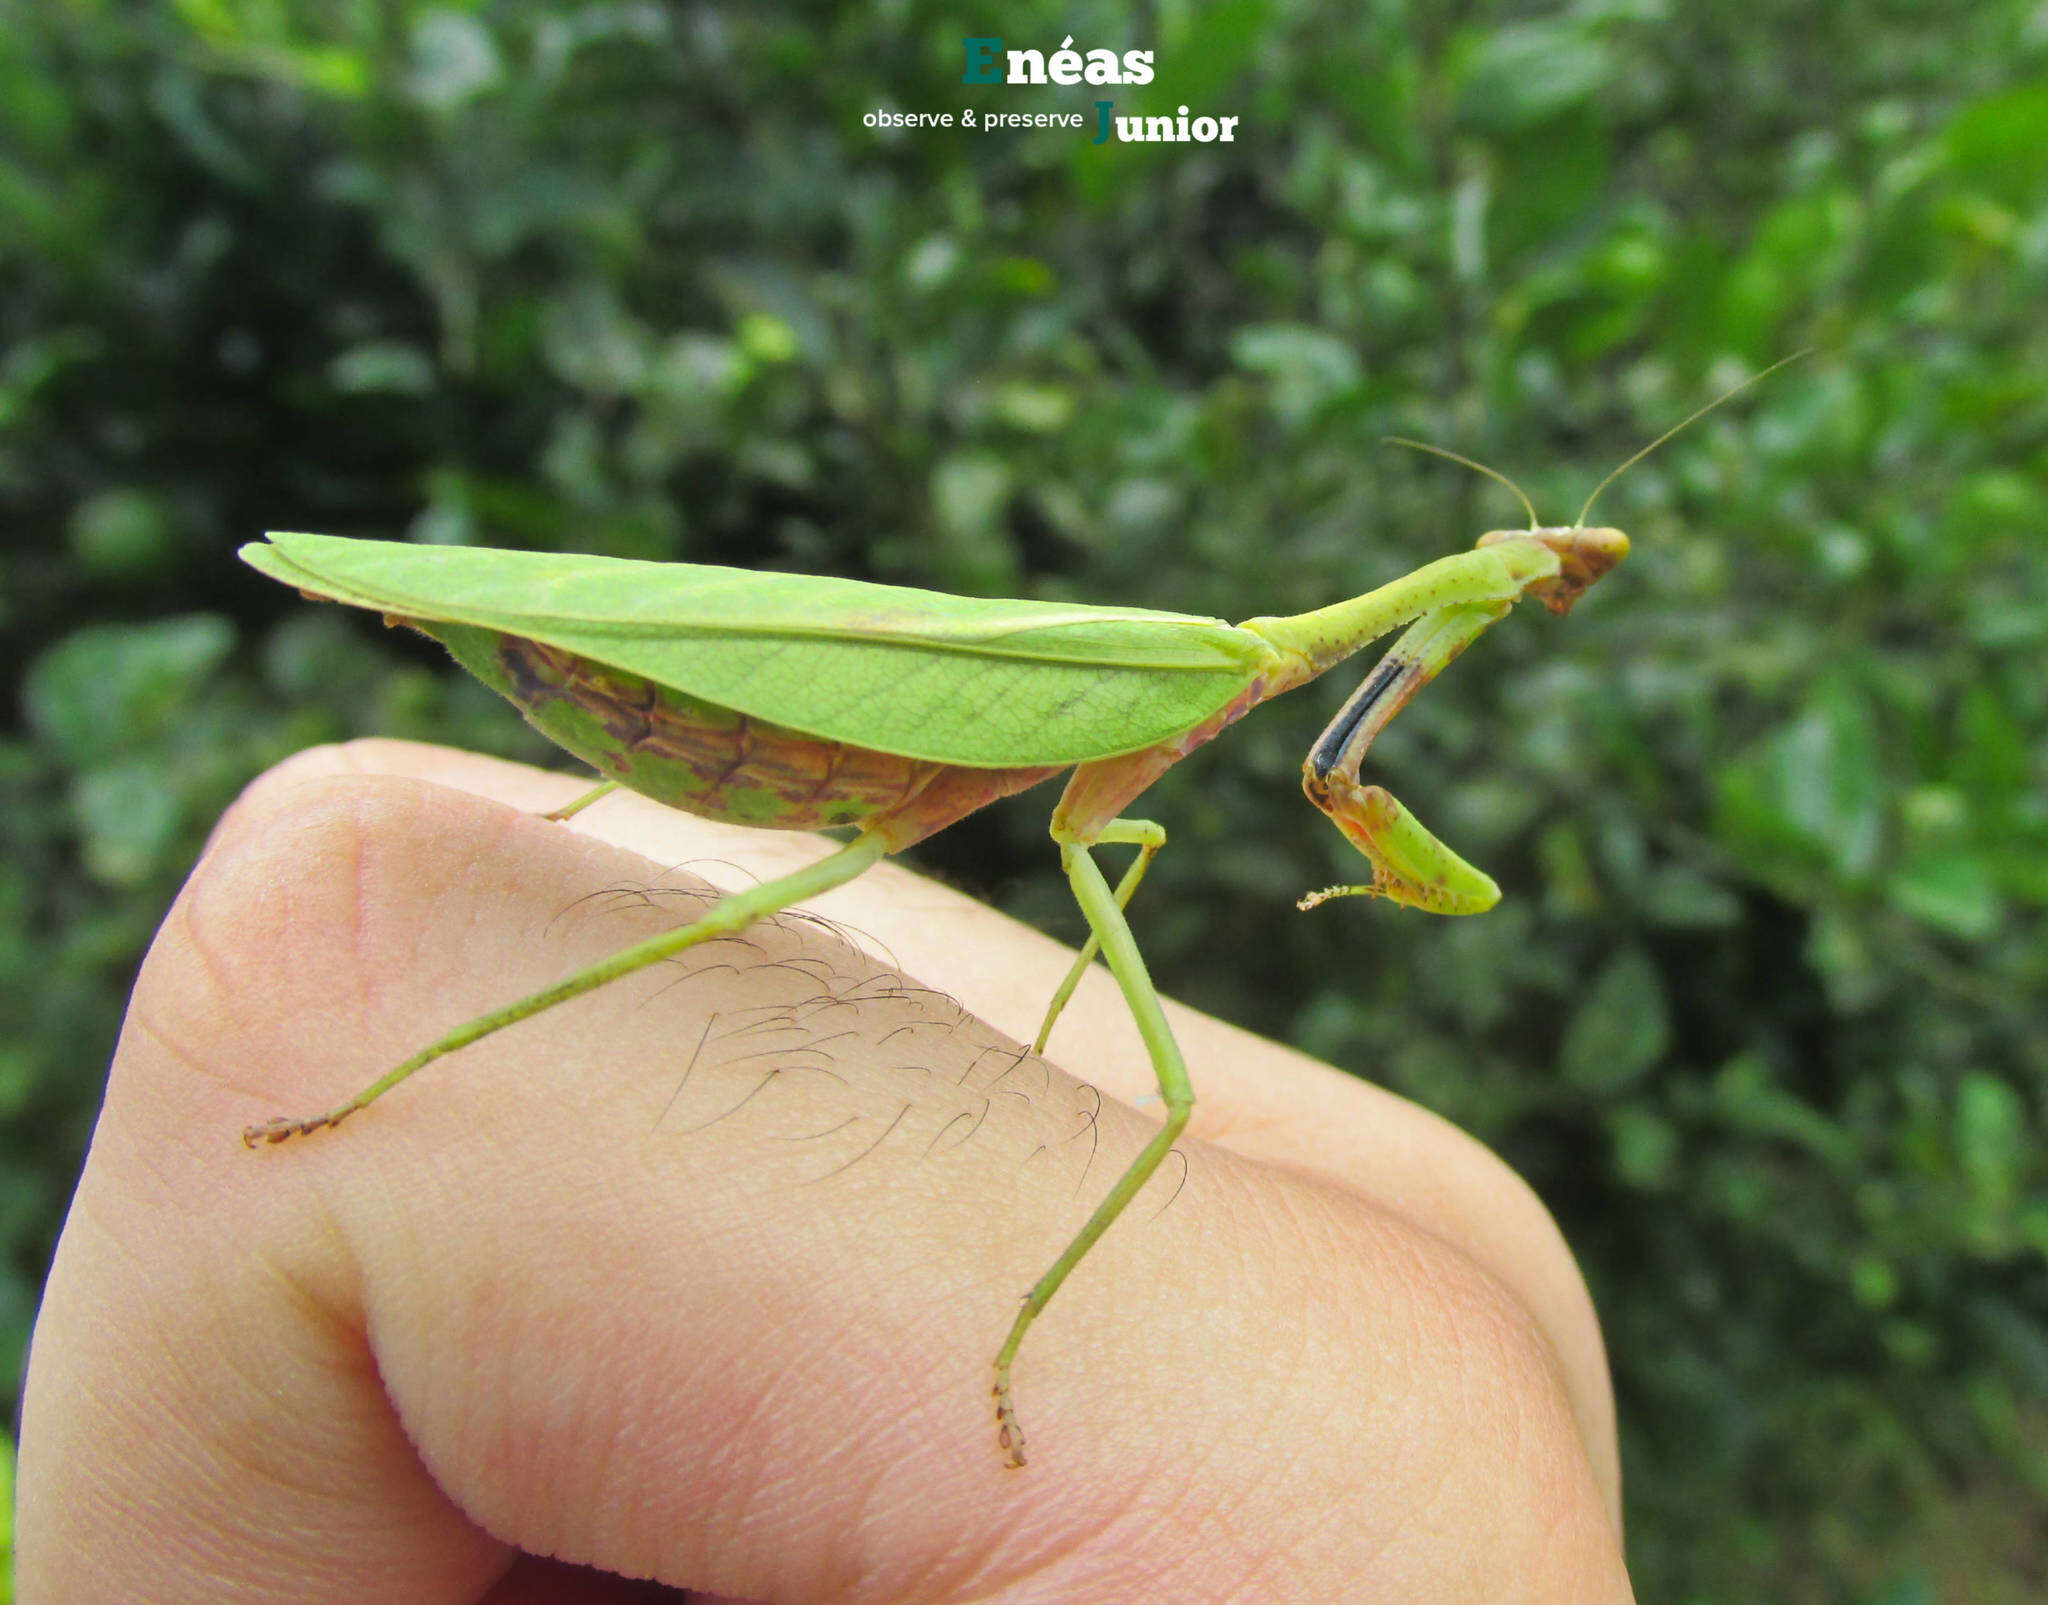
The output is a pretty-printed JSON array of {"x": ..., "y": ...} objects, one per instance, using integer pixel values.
[
  {"x": 1148, "y": 838},
  {"x": 1106, "y": 921}
]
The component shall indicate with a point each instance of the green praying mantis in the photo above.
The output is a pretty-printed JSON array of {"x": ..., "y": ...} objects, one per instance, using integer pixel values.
[{"x": 796, "y": 702}]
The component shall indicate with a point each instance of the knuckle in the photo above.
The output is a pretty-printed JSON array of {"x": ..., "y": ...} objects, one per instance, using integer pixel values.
[{"x": 275, "y": 936}]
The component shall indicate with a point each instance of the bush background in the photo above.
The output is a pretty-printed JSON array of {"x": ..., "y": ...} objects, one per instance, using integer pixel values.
[{"x": 1763, "y": 1015}]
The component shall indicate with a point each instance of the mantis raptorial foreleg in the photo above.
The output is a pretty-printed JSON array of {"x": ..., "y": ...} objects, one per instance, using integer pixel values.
[
  {"x": 1410, "y": 866},
  {"x": 1407, "y": 859},
  {"x": 1149, "y": 838},
  {"x": 731, "y": 913},
  {"x": 1106, "y": 920}
]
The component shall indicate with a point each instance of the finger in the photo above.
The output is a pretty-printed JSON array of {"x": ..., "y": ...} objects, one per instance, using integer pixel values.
[
  {"x": 530, "y": 1581},
  {"x": 1255, "y": 1097},
  {"x": 530, "y": 1307}
]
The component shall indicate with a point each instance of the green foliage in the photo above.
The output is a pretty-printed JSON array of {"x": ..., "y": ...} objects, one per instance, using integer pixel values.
[
  {"x": 1763, "y": 1013},
  {"x": 6, "y": 1519}
]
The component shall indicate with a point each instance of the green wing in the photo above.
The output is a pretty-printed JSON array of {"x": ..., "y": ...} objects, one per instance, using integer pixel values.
[{"x": 991, "y": 684}]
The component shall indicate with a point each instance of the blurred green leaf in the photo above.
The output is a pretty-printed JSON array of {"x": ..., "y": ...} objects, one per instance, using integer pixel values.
[
  {"x": 969, "y": 494},
  {"x": 1815, "y": 786},
  {"x": 2001, "y": 144},
  {"x": 1645, "y": 1147},
  {"x": 7, "y": 1454},
  {"x": 455, "y": 59},
  {"x": 1684, "y": 899},
  {"x": 107, "y": 687},
  {"x": 1518, "y": 74},
  {"x": 1991, "y": 1137},
  {"x": 1307, "y": 367},
  {"x": 123, "y": 533},
  {"x": 389, "y": 366},
  {"x": 127, "y": 819},
  {"x": 1620, "y": 1029},
  {"x": 1748, "y": 1096},
  {"x": 1952, "y": 892}
]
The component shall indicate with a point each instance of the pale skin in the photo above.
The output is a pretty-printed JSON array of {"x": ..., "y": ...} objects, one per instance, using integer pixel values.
[{"x": 731, "y": 1345}]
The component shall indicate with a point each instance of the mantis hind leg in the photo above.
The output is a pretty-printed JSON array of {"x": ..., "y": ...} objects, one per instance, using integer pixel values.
[
  {"x": 1106, "y": 920},
  {"x": 731, "y": 913},
  {"x": 1148, "y": 838},
  {"x": 569, "y": 810}
]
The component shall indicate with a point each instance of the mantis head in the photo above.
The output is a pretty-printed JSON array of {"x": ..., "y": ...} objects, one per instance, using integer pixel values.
[{"x": 1584, "y": 555}]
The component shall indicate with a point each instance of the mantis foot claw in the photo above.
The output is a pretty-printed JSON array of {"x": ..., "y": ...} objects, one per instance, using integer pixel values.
[
  {"x": 1009, "y": 1432},
  {"x": 1309, "y": 900},
  {"x": 569, "y": 810},
  {"x": 278, "y": 1128}
]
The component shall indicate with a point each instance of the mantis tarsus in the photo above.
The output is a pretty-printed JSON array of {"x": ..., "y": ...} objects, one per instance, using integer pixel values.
[{"x": 797, "y": 702}]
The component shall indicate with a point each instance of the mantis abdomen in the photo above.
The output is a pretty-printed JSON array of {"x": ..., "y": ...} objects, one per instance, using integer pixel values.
[{"x": 714, "y": 761}]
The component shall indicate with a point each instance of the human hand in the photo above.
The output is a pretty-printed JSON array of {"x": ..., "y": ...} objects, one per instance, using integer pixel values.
[{"x": 607, "y": 1286}]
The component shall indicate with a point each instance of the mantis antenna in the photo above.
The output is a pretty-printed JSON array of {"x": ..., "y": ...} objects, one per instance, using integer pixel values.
[
  {"x": 1580, "y": 523},
  {"x": 1684, "y": 423},
  {"x": 1438, "y": 451}
]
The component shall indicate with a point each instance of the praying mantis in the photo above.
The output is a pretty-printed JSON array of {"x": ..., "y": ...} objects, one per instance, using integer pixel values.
[{"x": 794, "y": 702}]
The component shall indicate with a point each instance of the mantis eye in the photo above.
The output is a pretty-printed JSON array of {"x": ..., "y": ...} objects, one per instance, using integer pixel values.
[{"x": 1586, "y": 554}]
